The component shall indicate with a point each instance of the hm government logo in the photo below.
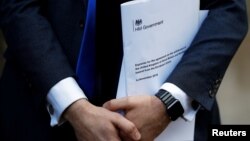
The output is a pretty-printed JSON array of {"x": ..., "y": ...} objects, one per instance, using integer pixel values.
[
  {"x": 138, "y": 22},
  {"x": 139, "y": 25}
]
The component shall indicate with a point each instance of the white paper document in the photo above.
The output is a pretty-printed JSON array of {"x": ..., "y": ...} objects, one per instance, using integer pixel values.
[{"x": 156, "y": 33}]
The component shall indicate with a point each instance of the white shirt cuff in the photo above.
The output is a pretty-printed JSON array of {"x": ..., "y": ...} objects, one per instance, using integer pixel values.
[
  {"x": 185, "y": 100},
  {"x": 61, "y": 96}
]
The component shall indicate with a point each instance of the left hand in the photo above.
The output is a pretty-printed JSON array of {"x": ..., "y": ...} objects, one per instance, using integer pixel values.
[{"x": 148, "y": 114}]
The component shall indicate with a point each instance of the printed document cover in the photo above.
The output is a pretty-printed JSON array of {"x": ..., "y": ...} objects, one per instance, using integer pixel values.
[{"x": 156, "y": 33}]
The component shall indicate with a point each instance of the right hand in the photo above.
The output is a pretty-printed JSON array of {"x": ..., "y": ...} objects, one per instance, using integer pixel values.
[{"x": 92, "y": 123}]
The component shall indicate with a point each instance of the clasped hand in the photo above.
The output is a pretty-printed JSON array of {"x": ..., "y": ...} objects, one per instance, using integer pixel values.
[
  {"x": 144, "y": 119},
  {"x": 146, "y": 112}
]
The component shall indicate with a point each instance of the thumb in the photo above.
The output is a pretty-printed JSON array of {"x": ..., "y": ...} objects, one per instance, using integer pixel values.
[{"x": 117, "y": 104}]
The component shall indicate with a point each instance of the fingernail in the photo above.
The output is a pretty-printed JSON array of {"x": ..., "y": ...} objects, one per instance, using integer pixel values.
[{"x": 137, "y": 136}]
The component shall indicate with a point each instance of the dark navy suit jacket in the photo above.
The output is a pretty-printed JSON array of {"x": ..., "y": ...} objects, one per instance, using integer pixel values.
[{"x": 44, "y": 37}]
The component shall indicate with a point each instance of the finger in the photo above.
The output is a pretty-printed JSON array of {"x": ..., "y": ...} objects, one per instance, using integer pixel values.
[
  {"x": 117, "y": 104},
  {"x": 112, "y": 137},
  {"x": 124, "y": 137},
  {"x": 127, "y": 127}
]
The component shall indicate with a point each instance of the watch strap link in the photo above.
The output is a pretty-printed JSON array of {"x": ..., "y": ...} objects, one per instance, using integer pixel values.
[{"x": 174, "y": 108}]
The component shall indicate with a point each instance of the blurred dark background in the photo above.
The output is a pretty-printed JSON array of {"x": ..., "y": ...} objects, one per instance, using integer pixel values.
[{"x": 2, "y": 48}]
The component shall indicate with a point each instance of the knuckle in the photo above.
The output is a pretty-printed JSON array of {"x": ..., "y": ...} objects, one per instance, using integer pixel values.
[{"x": 108, "y": 104}]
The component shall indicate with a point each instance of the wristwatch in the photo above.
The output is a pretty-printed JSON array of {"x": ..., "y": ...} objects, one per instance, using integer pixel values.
[{"x": 174, "y": 108}]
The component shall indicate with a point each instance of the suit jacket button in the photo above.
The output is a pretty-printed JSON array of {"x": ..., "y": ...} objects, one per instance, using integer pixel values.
[{"x": 211, "y": 94}]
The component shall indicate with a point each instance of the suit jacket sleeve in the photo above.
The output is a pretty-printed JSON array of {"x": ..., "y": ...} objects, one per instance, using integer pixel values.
[
  {"x": 32, "y": 43},
  {"x": 203, "y": 65}
]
